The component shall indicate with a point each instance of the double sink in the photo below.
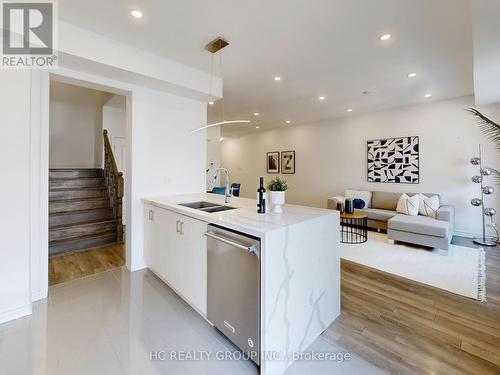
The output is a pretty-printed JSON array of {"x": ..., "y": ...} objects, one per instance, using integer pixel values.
[{"x": 207, "y": 206}]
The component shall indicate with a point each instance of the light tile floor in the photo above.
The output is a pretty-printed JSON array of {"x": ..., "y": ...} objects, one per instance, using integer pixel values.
[{"x": 109, "y": 323}]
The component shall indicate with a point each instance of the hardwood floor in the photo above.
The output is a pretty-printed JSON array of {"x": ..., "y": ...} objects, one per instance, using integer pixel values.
[
  {"x": 71, "y": 266},
  {"x": 405, "y": 327}
]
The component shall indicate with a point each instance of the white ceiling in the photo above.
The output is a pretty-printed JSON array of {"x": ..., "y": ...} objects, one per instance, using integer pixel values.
[{"x": 318, "y": 47}]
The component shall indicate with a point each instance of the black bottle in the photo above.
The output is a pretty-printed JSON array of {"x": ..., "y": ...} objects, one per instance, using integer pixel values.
[{"x": 261, "y": 203}]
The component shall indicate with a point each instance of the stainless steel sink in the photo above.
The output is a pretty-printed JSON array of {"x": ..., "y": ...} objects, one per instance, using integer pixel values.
[
  {"x": 217, "y": 209},
  {"x": 199, "y": 205}
]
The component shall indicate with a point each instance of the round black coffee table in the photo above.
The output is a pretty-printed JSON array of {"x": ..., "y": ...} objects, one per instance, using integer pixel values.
[{"x": 354, "y": 227}]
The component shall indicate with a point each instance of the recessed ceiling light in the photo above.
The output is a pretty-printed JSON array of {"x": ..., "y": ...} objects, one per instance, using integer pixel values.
[
  {"x": 386, "y": 37},
  {"x": 256, "y": 114},
  {"x": 349, "y": 110},
  {"x": 321, "y": 98},
  {"x": 221, "y": 139},
  {"x": 428, "y": 95},
  {"x": 257, "y": 127},
  {"x": 412, "y": 75},
  {"x": 136, "y": 13},
  {"x": 288, "y": 121},
  {"x": 211, "y": 103},
  {"x": 277, "y": 78}
]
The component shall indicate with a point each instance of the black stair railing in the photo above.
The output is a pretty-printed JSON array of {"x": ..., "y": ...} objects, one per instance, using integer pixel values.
[{"x": 114, "y": 185}]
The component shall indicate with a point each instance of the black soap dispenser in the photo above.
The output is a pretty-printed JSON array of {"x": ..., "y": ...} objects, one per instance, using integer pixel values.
[{"x": 261, "y": 201}]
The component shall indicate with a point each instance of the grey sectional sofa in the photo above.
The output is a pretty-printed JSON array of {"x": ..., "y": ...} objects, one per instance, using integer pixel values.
[{"x": 421, "y": 230}]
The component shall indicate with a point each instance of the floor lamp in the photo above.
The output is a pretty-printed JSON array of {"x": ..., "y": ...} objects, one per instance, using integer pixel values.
[{"x": 479, "y": 202}]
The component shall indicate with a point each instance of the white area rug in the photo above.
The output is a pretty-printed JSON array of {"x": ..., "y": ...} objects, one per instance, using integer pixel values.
[{"x": 462, "y": 271}]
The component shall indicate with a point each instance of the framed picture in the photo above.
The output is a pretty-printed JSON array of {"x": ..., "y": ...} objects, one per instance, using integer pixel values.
[
  {"x": 394, "y": 160},
  {"x": 273, "y": 162},
  {"x": 288, "y": 162}
]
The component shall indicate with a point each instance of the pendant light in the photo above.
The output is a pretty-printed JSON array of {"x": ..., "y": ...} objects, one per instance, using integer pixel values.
[{"x": 215, "y": 47}]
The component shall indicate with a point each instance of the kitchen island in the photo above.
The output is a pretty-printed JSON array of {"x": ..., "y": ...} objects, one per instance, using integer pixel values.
[{"x": 299, "y": 265}]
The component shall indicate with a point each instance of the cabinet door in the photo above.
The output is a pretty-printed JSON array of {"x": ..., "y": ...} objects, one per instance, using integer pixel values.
[
  {"x": 193, "y": 262},
  {"x": 147, "y": 233},
  {"x": 152, "y": 239},
  {"x": 167, "y": 225},
  {"x": 161, "y": 242},
  {"x": 170, "y": 224}
]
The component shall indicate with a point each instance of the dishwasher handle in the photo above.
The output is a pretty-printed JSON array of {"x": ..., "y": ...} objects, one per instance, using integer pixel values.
[{"x": 248, "y": 249}]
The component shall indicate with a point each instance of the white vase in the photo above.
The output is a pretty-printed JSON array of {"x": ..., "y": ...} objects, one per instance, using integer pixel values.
[{"x": 277, "y": 200}]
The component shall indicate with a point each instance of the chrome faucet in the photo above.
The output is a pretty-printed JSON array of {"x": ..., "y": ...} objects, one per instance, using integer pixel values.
[{"x": 228, "y": 193}]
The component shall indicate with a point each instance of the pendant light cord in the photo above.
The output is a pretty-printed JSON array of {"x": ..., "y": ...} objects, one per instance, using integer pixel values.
[
  {"x": 224, "y": 121},
  {"x": 222, "y": 78},
  {"x": 211, "y": 75}
]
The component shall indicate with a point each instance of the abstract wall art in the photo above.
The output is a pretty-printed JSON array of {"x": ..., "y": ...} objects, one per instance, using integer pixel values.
[{"x": 394, "y": 160}]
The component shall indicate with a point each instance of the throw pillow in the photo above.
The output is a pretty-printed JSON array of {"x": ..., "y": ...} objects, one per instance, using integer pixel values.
[
  {"x": 358, "y": 203},
  {"x": 366, "y": 196},
  {"x": 408, "y": 205},
  {"x": 428, "y": 206}
]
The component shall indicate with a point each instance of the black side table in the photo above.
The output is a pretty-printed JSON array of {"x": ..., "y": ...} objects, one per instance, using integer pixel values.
[{"x": 354, "y": 227}]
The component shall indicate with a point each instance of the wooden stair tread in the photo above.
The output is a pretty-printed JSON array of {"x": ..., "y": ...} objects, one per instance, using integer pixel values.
[
  {"x": 81, "y": 238},
  {"x": 88, "y": 199},
  {"x": 75, "y": 178},
  {"x": 79, "y": 188},
  {"x": 80, "y": 211},
  {"x": 81, "y": 224},
  {"x": 74, "y": 169}
]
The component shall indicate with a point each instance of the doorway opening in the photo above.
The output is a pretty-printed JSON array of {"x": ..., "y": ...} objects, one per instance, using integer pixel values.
[{"x": 87, "y": 165}]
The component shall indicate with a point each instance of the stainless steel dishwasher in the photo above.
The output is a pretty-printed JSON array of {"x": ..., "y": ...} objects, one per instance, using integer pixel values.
[{"x": 233, "y": 295}]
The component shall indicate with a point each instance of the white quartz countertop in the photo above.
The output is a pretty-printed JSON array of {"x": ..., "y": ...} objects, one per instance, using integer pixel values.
[{"x": 245, "y": 217}]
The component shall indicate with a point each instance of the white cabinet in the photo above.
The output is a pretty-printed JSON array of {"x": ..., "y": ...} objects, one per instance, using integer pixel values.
[
  {"x": 193, "y": 262},
  {"x": 151, "y": 238},
  {"x": 157, "y": 233},
  {"x": 176, "y": 250}
]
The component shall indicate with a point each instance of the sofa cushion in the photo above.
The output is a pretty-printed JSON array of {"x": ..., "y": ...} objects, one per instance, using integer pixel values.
[
  {"x": 428, "y": 206},
  {"x": 366, "y": 196},
  {"x": 358, "y": 203},
  {"x": 385, "y": 200},
  {"x": 389, "y": 201},
  {"x": 408, "y": 205},
  {"x": 419, "y": 224},
  {"x": 378, "y": 214}
]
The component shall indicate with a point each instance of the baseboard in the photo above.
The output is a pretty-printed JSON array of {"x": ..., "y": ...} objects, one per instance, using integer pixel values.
[
  {"x": 467, "y": 234},
  {"x": 137, "y": 267},
  {"x": 16, "y": 313},
  {"x": 38, "y": 295}
]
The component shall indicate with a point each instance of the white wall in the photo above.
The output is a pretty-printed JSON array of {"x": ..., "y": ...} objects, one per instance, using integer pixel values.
[
  {"x": 331, "y": 156},
  {"x": 15, "y": 295},
  {"x": 213, "y": 146},
  {"x": 114, "y": 117},
  {"x": 486, "y": 39},
  {"x": 166, "y": 157},
  {"x": 75, "y": 126},
  {"x": 97, "y": 54}
]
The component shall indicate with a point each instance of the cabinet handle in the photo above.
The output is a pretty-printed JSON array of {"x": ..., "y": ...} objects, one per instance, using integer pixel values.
[
  {"x": 177, "y": 226},
  {"x": 151, "y": 215},
  {"x": 182, "y": 227}
]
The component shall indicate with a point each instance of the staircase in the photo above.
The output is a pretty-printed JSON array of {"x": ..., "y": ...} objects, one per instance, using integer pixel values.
[
  {"x": 80, "y": 211},
  {"x": 85, "y": 205}
]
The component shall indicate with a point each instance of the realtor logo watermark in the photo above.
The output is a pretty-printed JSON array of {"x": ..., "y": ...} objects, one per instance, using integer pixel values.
[{"x": 29, "y": 34}]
